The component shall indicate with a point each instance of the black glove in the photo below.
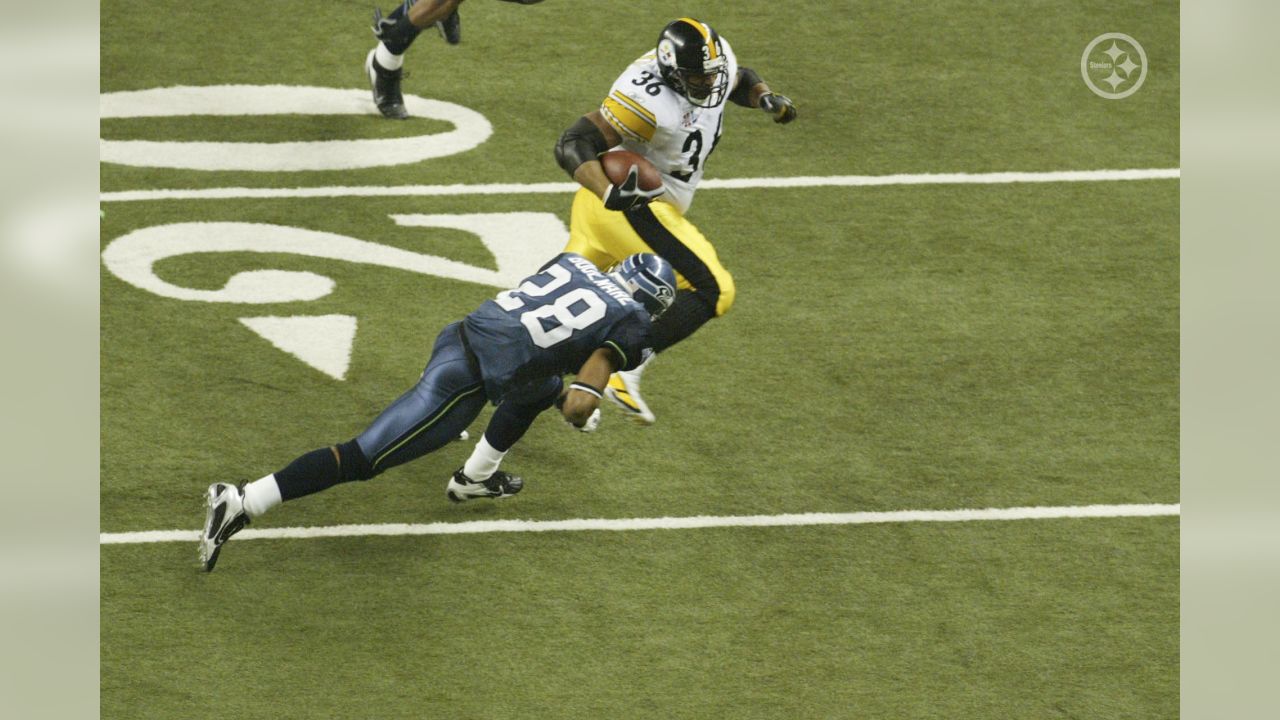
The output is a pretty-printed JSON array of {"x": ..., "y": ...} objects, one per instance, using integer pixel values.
[
  {"x": 779, "y": 106},
  {"x": 628, "y": 195}
]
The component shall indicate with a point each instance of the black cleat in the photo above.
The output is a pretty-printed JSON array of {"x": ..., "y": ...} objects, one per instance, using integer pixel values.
[
  {"x": 450, "y": 28},
  {"x": 386, "y": 88},
  {"x": 499, "y": 485}
]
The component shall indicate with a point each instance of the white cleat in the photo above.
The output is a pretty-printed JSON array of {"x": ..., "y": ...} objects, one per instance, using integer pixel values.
[
  {"x": 623, "y": 391},
  {"x": 224, "y": 517}
]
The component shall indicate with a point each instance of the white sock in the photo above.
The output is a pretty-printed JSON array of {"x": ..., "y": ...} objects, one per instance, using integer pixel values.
[
  {"x": 483, "y": 462},
  {"x": 261, "y": 495},
  {"x": 386, "y": 59}
]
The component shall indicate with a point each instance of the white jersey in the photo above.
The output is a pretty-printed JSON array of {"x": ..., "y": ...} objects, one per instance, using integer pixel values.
[{"x": 662, "y": 125}]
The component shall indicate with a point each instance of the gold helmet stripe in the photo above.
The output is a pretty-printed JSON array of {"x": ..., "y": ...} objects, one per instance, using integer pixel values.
[{"x": 706, "y": 35}]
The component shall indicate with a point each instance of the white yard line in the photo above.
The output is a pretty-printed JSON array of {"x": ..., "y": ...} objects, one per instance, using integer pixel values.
[
  {"x": 661, "y": 523},
  {"x": 728, "y": 183}
]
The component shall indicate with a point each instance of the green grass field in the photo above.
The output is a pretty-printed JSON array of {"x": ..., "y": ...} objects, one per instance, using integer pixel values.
[{"x": 922, "y": 347}]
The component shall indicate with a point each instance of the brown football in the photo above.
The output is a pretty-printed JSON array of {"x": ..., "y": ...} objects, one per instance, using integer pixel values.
[{"x": 617, "y": 163}]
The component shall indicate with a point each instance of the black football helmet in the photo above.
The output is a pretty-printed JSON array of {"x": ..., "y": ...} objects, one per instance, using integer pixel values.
[{"x": 692, "y": 61}]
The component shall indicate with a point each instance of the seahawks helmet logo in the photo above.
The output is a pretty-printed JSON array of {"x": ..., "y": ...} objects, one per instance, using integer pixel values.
[{"x": 649, "y": 279}]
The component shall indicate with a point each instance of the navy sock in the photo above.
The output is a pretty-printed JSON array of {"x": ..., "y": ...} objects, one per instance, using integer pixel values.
[{"x": 320, "y": 470}]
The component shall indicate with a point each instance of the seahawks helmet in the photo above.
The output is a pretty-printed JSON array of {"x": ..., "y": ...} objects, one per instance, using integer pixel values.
[
  {"x": 691, "y": 60},
  {"x": 650, "y": 280}
]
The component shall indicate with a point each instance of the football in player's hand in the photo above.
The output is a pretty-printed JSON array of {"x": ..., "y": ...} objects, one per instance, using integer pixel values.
[{"x": 617, "y": 164}]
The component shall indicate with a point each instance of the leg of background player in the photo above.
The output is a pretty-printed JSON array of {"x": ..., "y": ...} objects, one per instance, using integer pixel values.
[{"x": 396, "y": 32}]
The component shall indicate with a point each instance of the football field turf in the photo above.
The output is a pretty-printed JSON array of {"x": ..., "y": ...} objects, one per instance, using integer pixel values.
[{"x": 935, "y": 346}]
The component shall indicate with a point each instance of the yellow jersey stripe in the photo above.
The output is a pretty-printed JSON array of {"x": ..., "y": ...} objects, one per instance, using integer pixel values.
[
  {"x": 618, "y": 124},
  {"x": 706, "y": 36},
  {"x": 639, "y": 109},
  {"x": 626, "y": 121}
]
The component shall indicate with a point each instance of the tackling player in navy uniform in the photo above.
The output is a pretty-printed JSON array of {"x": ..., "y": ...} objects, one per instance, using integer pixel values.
[
  {"x": 395, "y": 33},
  {"x": 512, "y": 351},
  {"x": 669, "y": 107}
]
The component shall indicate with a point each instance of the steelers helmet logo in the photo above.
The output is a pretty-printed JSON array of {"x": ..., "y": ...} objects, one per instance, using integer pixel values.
[{"x": 667, "y": 52}]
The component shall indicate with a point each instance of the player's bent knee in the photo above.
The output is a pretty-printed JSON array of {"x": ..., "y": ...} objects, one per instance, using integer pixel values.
[{"x": 727, "y": 293}]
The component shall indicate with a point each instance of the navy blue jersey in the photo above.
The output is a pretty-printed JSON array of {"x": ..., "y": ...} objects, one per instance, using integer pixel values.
[{"x": 552, "y": 323}]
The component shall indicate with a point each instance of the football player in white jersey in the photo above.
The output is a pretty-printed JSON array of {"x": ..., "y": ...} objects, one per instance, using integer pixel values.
[{"x": 669, "y": 107}]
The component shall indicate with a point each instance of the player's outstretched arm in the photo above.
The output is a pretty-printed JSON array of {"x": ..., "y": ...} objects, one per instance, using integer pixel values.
[
  {"x": 583, "y": 397},
  {"x": 750, "y": 90}
]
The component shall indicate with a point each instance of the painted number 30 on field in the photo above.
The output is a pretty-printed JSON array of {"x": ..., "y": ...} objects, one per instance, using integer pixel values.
[{"x": 519, "y": 241}]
